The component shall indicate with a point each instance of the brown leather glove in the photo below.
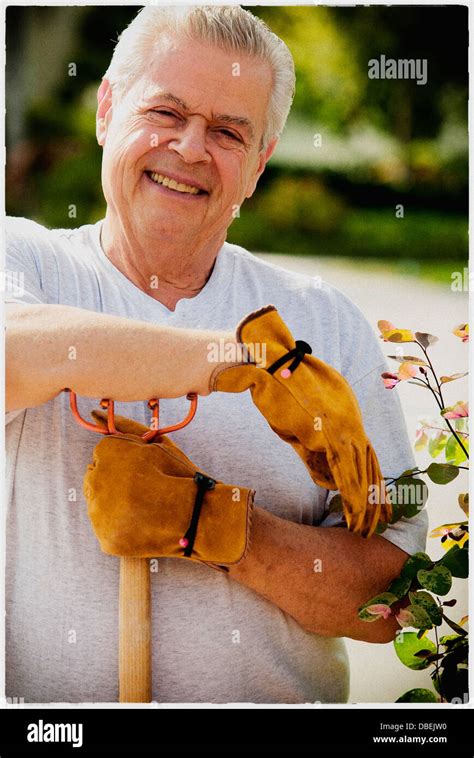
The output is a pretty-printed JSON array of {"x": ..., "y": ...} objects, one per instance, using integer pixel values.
[
  {"x": 312, "y": 407},
  {"x": 150, "y": 500}
]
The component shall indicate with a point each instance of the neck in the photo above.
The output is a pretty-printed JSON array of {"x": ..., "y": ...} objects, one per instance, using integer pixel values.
[{"x": 165, "y": 269}]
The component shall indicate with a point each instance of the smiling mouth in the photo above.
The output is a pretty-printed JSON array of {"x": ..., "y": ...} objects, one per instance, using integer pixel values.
[{"x": 172, "y": 184}]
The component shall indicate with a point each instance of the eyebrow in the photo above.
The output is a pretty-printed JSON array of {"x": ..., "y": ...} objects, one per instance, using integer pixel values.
[{"x": 223, "y": 117}]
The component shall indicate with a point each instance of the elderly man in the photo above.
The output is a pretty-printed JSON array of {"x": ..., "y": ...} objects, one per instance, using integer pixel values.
[{"x": 189, "y": 113}]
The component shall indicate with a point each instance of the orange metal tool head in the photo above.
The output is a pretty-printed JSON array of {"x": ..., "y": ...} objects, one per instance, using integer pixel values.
[{"x": 110, "y": 407}]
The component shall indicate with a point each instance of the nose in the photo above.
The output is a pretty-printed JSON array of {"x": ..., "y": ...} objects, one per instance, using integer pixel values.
[{"x": 190, "y": 142}]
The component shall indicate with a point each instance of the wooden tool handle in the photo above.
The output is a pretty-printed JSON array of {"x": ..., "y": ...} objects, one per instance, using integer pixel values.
[{"x": 134, "y": 631}]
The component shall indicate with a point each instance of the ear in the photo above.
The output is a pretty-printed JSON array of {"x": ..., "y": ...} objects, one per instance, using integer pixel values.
[
  {"x": 104, "y": 110},
  {"x": 263, "y": 158}
]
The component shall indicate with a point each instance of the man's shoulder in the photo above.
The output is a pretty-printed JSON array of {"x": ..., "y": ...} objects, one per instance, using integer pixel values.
[
  {"x": 298, "y": 287},
  {"x": 314, "y": 309},
  {"x": 26, "y": 238},
  {"x": 24, "y": 229},
  {"x": 18, "y": 228}
]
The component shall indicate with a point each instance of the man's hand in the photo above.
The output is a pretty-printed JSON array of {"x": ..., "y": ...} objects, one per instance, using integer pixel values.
[
  {"x": 150, "y": 500},
  {"x": 320, "y": 576},
  {"x": 141, "y": 498},
  {"x": 311, "y": 406}
]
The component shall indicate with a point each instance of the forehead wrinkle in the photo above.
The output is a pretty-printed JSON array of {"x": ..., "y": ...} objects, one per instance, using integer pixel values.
[{"x": 223, "y": 117}]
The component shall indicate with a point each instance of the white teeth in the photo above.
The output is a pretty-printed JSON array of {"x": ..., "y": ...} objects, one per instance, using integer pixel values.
[{"x": 172, "y": 184}]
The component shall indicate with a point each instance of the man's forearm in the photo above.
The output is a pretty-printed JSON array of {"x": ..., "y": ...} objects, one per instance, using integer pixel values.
[
  {"x": 50, "y": 347},
  {"x": 319, "y": 575}
]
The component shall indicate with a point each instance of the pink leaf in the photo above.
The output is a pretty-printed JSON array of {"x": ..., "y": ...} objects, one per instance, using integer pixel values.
[
  {"x": 385, "y": 326},
  {"x": 460, "y": 410},
  {"x": 407, "y": 370},
  {"x": 390, "y": 380},
  {"x": 380, "y": 610},
  {"x": 389, "y": 333}
]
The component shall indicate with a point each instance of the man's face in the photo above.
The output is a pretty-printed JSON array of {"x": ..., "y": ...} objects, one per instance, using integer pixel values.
[{"x": 192, "y": 116}]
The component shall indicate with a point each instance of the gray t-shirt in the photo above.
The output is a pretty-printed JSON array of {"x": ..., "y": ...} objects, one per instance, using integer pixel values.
[{"x": 214, "y": 640}]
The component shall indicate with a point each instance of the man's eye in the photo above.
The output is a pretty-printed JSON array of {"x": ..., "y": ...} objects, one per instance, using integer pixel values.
[
  {"x": 163, "y": 112},
  {"x": 227, "y": 133}
]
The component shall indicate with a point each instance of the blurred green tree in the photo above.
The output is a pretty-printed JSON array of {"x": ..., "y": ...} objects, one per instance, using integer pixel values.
[{"x": 383, "y": 141}]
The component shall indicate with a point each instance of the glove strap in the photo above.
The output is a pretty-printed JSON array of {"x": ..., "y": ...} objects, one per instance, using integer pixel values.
[
  {"x": 298, "y": 353},
  {"x": 204, "y": 483}
]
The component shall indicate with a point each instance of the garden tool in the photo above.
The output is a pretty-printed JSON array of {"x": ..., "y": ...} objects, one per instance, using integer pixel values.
[
  {"x": 312, "y": 407},
  {"x": 135, "y": 685},
  {"x": 147, "y": 499}
]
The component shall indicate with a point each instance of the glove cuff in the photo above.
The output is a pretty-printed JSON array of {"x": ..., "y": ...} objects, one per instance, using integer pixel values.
[
  {"x": 231, "y": 550},
  {"x": 251, "y": 317},
  {"x": 227, "y": 553},
  {"x": 244, "y": 324}
]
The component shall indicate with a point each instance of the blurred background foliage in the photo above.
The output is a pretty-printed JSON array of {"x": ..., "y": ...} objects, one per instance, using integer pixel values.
[{"x": 384, "y": 143}]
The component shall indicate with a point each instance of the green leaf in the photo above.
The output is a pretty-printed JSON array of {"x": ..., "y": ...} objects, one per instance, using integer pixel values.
[
  {"x": 457, "y": 561},
  {"x": 437, "y": 580},
  {"x": 421, "y": 619},
  {"x": 442, "y": 473},
  {"x": 426, "y": 339},
  {"x": 400, "y": 586},
  {"x": 336, "y": 504},
  {"x": 453, "y": 451},
  {"x": 411, "y": 509},
  {"x": 435, "y": 680},
  {"x": 385, "y": 598},
  {"x": 411, "y": 494},
  {"x": 418, "y": 695},
  {"x": 454, "y": 679},
  {"x": 421, "y": 441},
  {"x": 407, "y": 644},
  {"x": 397, "y": 513},
  {"x": 437, "y": 444},
  {"x": 435, "y": 657},
  {"x": 451, "y": 640},
  {"x": 424, "y": 654},
  {"x": 416, "y": 562},
  {"x": 457, "y": 653},
  {"x": 455, "y": 627},
  {"x": 460, "y": 424},
  {"x": 429, "y": 604},
  {"x": 447, "y": 639},
  {"x": 409, "y": 472}
]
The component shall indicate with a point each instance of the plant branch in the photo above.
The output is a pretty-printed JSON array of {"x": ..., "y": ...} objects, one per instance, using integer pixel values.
[
  {"x": 432, "y": 369},
  {"x": 440, "y": 399},
  {"x": 455, "y": 434},
  {"x": 440, "y": 429},
  {"x": 437, "y": 664}
]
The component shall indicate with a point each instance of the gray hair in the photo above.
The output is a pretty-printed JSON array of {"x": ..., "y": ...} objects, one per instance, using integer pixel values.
[{"x": 230, "y": 28}]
